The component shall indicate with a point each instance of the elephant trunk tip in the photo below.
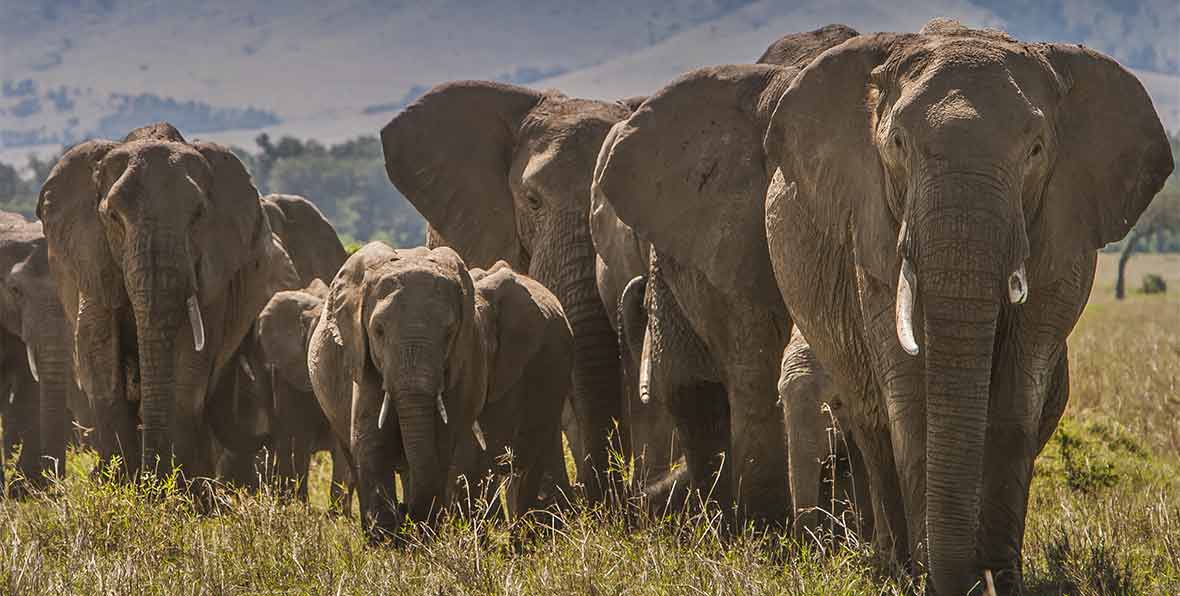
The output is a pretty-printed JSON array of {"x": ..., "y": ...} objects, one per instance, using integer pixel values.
[{"x": 385, "y": 403}]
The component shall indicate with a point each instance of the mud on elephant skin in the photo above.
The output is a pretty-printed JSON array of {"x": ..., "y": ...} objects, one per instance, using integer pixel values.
[
  {"x": 933, "y": 225},
  {"x": 163, "y": 259},
  {"x": 418, "y": 369},
  {"x": 729, "y": 324},
  {"x": 39, "y": 365}
]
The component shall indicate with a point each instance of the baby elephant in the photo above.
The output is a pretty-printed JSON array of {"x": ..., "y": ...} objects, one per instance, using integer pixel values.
[
  {"x": 418, "y": 368},
  {"x": 816, "y": 430}
]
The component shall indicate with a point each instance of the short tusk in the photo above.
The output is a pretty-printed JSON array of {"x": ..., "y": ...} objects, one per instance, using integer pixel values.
[
  {"x": 1018, "y": 286},
  {"x": 645, "y": 370},
  {"x": 904, "y": 308},
  {"x": 246, "y": 368},
  {"x": 32, "y": 363},
  {"x": 11, "y": 396},
  {"x": 442, "y": 407},
  {"x": 989, "y": 584},
  {"x": 384, "y": 411},
  {"x": 478, "y": 432},
  {"x": 198, "y": 325}
]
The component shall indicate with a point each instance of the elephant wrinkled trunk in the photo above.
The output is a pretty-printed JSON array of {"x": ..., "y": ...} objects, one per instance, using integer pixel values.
[
  {"x": 419, "y": 422},
  {"x": 961, "y": 259},
  {"x": 54, "y": 363}
]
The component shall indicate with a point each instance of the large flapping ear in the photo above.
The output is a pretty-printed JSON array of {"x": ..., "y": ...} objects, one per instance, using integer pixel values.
[
  {"x": 309, "y": 237},
  {"x": 233, "y": 232},
  {"x": 615, "y": 242},
  {"x": 344, "y": 307},
  {"x": 822, "y": 138},
  {"x": 68, "y": 209},
  {"x": 450, "y": 154},
  {"x": 799, "y": 49},
  {"x": 1112, "y": 158},
  {"x": 687, "y": 172}
]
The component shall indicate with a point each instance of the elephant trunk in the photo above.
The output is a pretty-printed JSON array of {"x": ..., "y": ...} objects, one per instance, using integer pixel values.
[
  {"x": 418, "y": 417},
  {"x": 961, "y": 254},
  {"x": 159, "y": 284},
  {"x": 566, "y": 266},
  {"x": 53, "y": 361}
]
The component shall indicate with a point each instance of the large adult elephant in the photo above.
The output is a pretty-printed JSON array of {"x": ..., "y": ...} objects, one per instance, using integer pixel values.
[
  {"x": 961, "y": 180},
  {"x": 503, "y": 173},
  {"x": 710, "y": 353},
  {"x": 163, "y": 258},
  {"x": 39, "y": 366}
]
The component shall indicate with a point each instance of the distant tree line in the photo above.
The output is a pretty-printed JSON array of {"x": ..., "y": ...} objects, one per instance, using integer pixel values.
[{"x": 346, "y": 181}]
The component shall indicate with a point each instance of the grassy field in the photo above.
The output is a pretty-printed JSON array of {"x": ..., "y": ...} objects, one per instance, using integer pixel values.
[{"x": 1104, "y": 514}]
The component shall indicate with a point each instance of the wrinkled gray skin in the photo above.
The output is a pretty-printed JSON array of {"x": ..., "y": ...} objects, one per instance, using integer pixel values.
[
  {"x": 247, "y": 394},
  {"x": 817, "y": 439},
  {"x": 994, "y": 170},
  {"x": 503, "y": 173},
  {"x": 299, "y": 427},
  {"x": 142, "y": 234},
  {"x": 710, "y": 354},
  {"x": 408, "y": 334},
  {"x": 32, "y": 317},
  {"x": 1007, "y": 165}
]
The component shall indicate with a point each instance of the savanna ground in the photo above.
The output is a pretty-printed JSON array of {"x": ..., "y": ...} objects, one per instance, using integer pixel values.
[{"x": 1104, "y": 514}]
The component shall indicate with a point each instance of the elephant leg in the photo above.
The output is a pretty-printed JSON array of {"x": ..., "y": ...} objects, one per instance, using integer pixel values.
[
  {"x": 757, "y": 447},
  {"x": 890, "y": 529},
  {"x": 806, "y": 451},
  {"x": 24, "y": 416},
  {"x": 340, "y": 492},
  {"x": 702, "y": 415},
  {"x": 856, "y": 490},
  {"x": 102, "y": 374}
]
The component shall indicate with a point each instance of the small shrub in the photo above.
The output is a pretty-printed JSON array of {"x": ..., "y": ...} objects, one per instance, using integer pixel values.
[{"x": 1154, "y": 284}]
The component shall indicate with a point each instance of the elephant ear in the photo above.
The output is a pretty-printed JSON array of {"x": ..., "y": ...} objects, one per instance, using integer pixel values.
[
  {"x": 821, "y": 137},
  {"x": 687, "y": 172},
  {"x": 799, "y": 49},
  {"x": 450, "y": 154},
  {"x": 234, "y": 231},
  {"x": 68, "y": 210},
  {"x": 1113, "y": 157},
  {"x": 511, "y": 326},
  {"x": 344, "y": 307},
  {"x": 309, "y": 237}
]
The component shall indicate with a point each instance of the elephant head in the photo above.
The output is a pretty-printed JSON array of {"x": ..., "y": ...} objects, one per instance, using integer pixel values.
[
  {"x": 162, "y": 251},
  {"x": 964, "y": 171},
  {"x": 400, "y": 328},
  {"x": 503, "y": 172}
]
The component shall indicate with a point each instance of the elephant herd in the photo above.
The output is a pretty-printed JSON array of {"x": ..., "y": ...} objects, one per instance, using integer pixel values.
[{"x": 890, "y": 234}]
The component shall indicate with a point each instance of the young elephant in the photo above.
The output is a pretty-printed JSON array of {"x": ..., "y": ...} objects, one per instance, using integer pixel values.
[
  {"x": 813, "y": 435},
  {"x": 411, "y": 364},
  {"x": 298, "y": 426}
]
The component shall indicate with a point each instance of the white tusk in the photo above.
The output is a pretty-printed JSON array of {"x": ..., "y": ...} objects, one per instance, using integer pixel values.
[
  {"x": 478, "y": 432},
  {"x": 645, "y": 370},
  {"x": 11, "y": 396},
  {"x": 198, "y": 325},
  {"x": 384, "y": 411},
  {"x": 904, "y": 308},
  {"x": 442, "y": 407},
  {"x": 990, "y": 584},
  {"x": 1018, "y": 286},
  {"x": 32, "y": 363},
  {"x": 246, "y": 368}
]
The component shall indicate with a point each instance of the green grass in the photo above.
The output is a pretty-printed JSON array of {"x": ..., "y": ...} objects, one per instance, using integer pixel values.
[{"x": 1104, "y": 515}]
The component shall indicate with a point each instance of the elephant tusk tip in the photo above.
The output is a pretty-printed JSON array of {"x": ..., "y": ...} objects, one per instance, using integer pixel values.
[
  {"x": 479, "y": 438},
  {"x": 32, "y": 363},
  {"x": 989, "y": 583},
  {"x": 384, "y": 411},
  {"x": 644, "y": 396},
  {"x": 910, "y": 347},
  {"x": 442, "y": 407}
]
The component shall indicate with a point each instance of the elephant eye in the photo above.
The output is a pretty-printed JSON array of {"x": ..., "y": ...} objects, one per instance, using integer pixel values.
[
  {"x": 533, "y": 200},
  {"x": 1036, "y": 149},
  {"x": 379, "y": 330}
]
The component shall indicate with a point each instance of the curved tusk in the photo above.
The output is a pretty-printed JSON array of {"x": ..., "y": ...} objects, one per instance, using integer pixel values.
[
  {"x": 1018, "y": 286},
  {"x": 989, "y": 584},
  {"x": 478, "y": 432},
  {"x": 384, "y": 411},
  {"x": 198, "y": 325},
  {"x": 246, "y": 368},
  {"x": 442, "y": 407},
  {"x": 904, "y": 308},
  {"x": 645, "y": 370},
  {"x": 32, "y": 363}
]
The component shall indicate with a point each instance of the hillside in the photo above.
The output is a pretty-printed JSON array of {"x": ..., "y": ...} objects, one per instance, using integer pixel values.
[{"x": 72, "y": 69}]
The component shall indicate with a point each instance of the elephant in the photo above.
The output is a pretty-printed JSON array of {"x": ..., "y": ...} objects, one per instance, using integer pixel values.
[
  {"x": 163, "y": 259},
  {"x": 822, "y": 458},
  {"x": 417, "y": 366},
  {"x": 247, "y": 398},
  {"x": 953, "y": 177},
  {"x": 503, "y": 173},
  {"x": 710, "y": 353},
  {"x": 300, "y": 428},
  {"x": 38, "y": 364}
]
